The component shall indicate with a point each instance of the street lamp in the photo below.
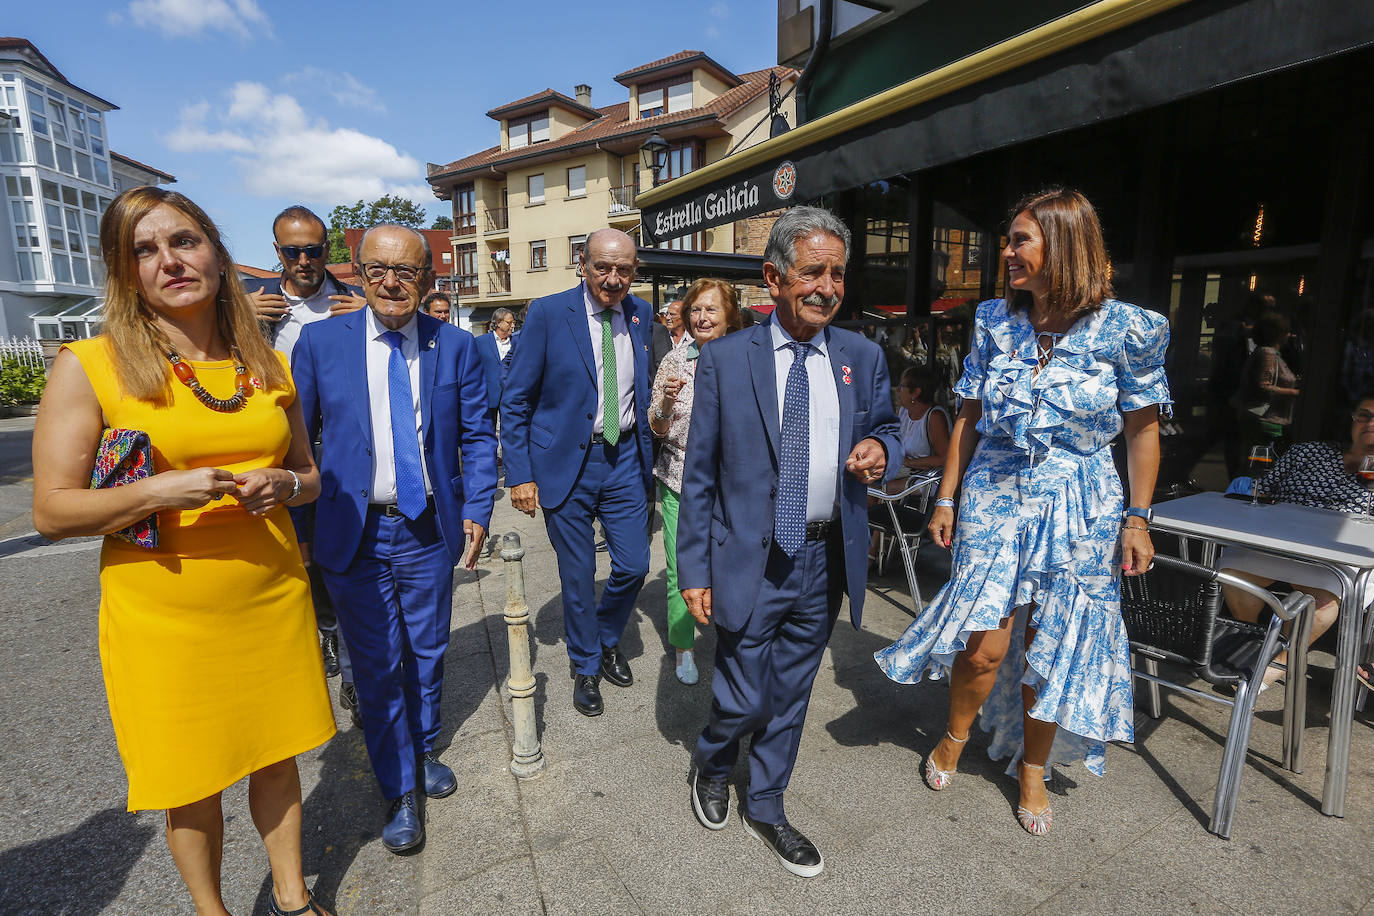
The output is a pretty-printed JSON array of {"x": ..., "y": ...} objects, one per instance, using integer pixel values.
[{"x": 654, "y": 154}]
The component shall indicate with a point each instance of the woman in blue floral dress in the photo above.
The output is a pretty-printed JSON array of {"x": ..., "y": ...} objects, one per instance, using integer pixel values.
[{"x": 1029, "y": 626}]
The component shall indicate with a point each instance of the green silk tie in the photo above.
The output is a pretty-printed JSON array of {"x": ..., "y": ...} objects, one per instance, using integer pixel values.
[{"x": 610, "y": 383}]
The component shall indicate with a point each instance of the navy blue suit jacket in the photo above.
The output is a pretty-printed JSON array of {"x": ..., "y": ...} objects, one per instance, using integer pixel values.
[
  {"x": 330, "y": 369},
  {"x": 494, "y": 367},
  {"x": 549, "y": 404},
  {"x": 730, "y": 481}
]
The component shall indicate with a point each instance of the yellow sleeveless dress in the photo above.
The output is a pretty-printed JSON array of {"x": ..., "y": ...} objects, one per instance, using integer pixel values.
[{"x": 211, "y": 662}]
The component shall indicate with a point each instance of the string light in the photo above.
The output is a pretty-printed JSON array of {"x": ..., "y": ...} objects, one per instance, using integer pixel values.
[
  {"x": 1259, "y": 229},
  {"x": 1254, "y": 278},
  {"x": 1302, "y": 284}
]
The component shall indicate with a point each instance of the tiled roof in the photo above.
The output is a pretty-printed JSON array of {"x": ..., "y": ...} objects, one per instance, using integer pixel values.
[
  {"x": 255, "y": 271},
  {"x": 614, "y": 121},
  {"x": 629, "y": 77},
  {"x": 652, "y": 65},
  {"x": 139, "y": 165},
  {"x": 550, "y": 94}
]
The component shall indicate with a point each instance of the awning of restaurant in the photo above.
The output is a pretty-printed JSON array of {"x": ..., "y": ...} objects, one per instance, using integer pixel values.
[
  {"x": 673, "y": 263},
  {"x": 1108, "y": 59}
]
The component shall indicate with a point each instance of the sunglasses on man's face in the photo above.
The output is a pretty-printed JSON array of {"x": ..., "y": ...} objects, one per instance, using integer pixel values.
[{"x": 291, "y": 252}]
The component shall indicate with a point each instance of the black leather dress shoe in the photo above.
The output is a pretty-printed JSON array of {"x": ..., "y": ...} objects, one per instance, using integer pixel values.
[
  {"x": 329, "y": 648},
  {"x": 796, "y": 853},
  {"x": 587, "y": 694},
  {"x": 348, "y": 699},
  {"x": 439, "y": 780},
  {"x": 615, "y": 667},
  {"x": 405, "y": 825},
  {"x": 710, "y": 801}
]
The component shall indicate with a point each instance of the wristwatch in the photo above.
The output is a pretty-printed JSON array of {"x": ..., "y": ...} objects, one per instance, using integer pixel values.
[{"x": 1136, "y": 512}]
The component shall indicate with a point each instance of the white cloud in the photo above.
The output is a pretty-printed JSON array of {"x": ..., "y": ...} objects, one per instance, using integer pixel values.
[
  {"x": 175, "y": 18},
  {"x": 282, "y": 151},
  {"x": 346, "y": 89}
]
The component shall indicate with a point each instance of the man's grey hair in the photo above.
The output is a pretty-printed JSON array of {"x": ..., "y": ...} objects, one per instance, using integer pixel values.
[
  {"x": 424, "y": 243},
  {"x": 797, "y": 223},
  {"x": 501, "y": 315}
]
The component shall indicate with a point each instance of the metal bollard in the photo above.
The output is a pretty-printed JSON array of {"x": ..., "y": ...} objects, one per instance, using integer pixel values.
[{"x": 527, "y": 756}]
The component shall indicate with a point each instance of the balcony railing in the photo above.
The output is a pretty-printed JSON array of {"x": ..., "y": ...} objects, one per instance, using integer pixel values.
[
  {"x": 498, "y": 281},
  {"x": 622, "y": 199},
  {"x": 457, "y": 284},
  {"x": 498, "y": 219},
  {"x": 466, "y": 225}
]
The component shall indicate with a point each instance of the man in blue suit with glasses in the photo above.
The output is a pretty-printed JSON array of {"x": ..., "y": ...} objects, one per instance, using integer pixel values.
[{"x": 408, "y": 474}]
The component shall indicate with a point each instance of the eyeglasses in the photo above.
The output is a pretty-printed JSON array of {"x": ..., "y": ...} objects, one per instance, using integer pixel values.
[
  {"x": 291, "y": 252},
  {"x": 605, "y": 270},
  {"x": 1362, "y": 417},
  {"x": 376, "y": 271}
]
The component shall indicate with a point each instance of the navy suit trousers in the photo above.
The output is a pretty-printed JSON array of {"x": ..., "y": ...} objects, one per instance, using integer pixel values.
[
  {"x": 610, "y": 487},
  {"x": 764, "y": 672},
  {"x": 395, "y": 605}
]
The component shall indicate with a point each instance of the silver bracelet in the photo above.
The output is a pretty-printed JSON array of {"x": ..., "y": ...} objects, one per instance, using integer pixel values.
[
  {"x": 944, "y": 502},
  {"x": 295, "y": 485},
  {"x": 660, "y": 415}
]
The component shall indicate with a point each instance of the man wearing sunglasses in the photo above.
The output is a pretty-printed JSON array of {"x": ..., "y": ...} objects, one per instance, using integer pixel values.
[{"x": 305, "y": 292}]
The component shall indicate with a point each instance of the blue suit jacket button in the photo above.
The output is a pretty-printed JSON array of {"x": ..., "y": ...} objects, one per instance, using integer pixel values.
[
  {"x": 582, "y": 445},
  {"x": 763, "y": 542},
  {"x": 773, "y": 493},
  {"x": 590, "y": 417}
]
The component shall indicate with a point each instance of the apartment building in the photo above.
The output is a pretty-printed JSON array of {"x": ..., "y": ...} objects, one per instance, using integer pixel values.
[
  {"x": 57, "y": 177},
  {"x": 563, "y": 167}
]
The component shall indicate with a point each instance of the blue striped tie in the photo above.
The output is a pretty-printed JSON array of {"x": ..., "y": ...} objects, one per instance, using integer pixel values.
[
  {"x": 794, "y": 462},
  {"x": 410, "y": 479}
]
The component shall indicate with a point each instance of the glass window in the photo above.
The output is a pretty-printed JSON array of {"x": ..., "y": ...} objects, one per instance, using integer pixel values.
[
  {"x": 64, "y": 160},
  {"x": 80, "y": 272},
  {"x": 10, "y": 145},
  {"x": 50, "y": 191},
  {"x": 650, "y": 102},
  {"x": 42, "y": 151},
  {"x": 102, "y": 172},
  {"x": 12, "y": 185},
  {"x": 682, "y": 159},
  {"x": 88, "y": 200},
  {"x": 59, "y": 123},
  {"x": 577, "y": 181},
  {"x": 679, "y": 97},
  {"x": 70, "y": 196},
  {"x": 97, "y": 272},
  {"x": 536, "y": 183},
  {"x": 533, "y": 129},
  {"x": 539, "y": 255},
  {"x": 464, "y": 210},
  {"x": 576, "y": 243},
  {"x": 61, "y": 268},
  {"x": 83, "y": 166},
  {"x": 38, "y": 113},
  {"x": 92, "y": 223}
]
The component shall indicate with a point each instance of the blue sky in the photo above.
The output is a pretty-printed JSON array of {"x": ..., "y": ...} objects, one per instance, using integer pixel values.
[{"x": 257, "y": 104}]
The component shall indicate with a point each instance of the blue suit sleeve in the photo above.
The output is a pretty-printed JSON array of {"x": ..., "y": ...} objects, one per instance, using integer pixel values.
[
  {"x": 699, "y": 478},
  {"x": 521, "y": 395},
  {"x": 477, "y": 438},
  {"x": 883, "y": 422},
  {"x": 307, "y": 386}
]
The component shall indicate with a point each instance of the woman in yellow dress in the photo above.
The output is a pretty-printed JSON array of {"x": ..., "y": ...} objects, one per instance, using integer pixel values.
[{"x": 207, "y": 641}]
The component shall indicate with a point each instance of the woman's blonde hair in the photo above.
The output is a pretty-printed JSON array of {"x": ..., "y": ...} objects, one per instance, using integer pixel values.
[
  {"x": 734, "y": 318},
  {"x": 138, "y": 345},
  {"x": 1076, "y": 266}
]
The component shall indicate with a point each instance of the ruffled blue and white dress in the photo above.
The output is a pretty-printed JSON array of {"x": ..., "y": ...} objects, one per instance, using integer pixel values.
[{"x": 1039, "y": 525}]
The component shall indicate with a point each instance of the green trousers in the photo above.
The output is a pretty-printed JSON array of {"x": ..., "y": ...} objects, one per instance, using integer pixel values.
[{"x": 682, "y": 629}]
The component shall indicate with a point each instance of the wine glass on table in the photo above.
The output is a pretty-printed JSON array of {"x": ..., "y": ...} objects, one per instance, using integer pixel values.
[
  {"x": 1365, "y": 472},
  {"x": 1261, "y": 460}
]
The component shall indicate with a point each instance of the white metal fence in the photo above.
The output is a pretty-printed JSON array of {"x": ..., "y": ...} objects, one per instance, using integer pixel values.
[{"x": 26, "y": 350}]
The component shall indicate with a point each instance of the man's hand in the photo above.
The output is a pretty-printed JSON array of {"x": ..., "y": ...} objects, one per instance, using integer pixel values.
[
  {"x": 525, "y": 497},
  {"x": 867, "y": 462},
  {"x": 477, "y": 536},
  {"x": 698, "y": 604},
  {"x": 345, "y": 304},
  {"x": 270, "y": 306}
]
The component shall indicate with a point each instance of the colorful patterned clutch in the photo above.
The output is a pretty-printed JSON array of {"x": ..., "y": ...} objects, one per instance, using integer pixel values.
[{"x": 126, "y": 456}]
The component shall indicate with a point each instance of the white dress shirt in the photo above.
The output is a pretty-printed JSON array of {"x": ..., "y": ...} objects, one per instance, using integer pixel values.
[
  {"x": 378, "y": 355},
  {"x": 300, "y": 312},
  {"x": 503, "y": 347},
  {"x": 624, "y": 361},
  {"x": 825, "y": 417}
]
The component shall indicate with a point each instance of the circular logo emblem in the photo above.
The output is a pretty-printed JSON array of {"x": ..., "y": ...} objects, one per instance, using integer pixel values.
[{"x": 785, "y": 180}]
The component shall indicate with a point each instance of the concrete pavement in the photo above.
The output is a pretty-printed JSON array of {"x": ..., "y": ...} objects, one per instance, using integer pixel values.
[{"x": 607, "y": 827}]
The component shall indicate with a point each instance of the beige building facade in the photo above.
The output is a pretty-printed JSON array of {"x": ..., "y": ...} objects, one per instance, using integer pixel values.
[{"x": 563, "y": 168}]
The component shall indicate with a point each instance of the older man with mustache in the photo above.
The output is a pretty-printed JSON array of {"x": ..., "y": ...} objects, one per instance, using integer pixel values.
[
  {"x": 772, "y": 531},
  {"x": 575, "y": 437}
]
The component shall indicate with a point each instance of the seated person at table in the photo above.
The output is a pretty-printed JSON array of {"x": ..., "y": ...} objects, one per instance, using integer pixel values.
[
  {"x": 1317, "y": 474},
  {"x": 925, "y": 435}
]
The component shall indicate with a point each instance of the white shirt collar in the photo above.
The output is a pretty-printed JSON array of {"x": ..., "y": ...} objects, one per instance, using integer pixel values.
[
  {"x": 781, "y": 338},
  {"x": 375, "y": 329}
]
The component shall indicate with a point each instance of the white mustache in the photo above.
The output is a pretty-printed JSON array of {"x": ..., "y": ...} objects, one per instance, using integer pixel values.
[{"x": 819, "y": 301}]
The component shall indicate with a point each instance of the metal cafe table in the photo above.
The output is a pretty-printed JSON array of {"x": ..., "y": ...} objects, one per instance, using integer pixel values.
[{"x": 1322, "y": 538}]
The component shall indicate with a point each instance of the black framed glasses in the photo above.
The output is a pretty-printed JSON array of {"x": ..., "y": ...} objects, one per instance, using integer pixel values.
[
  {"x": 291, "y": 252},
  {"x": 1363, "y": 417},
  {"x": 377, "y": 271}
]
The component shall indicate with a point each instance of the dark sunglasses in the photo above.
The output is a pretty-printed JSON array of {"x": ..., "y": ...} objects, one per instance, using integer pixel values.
[{"x": 291, "y": 252}]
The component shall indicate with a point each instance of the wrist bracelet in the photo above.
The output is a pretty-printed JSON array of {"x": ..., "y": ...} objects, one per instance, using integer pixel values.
[
  {"x": 944, "y": 503},
  {"x": 295, "y": 485},
  {"x": 1135, "y": 527},
  {"x": 660, "y": 415}
]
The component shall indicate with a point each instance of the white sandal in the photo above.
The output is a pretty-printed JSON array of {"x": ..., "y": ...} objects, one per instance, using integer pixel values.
[
  {"x": 1033, "y": 823},
  {"x": 935, "y": 777}
]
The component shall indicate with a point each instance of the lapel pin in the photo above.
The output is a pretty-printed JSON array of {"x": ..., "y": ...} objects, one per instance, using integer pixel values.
[
  {"x": 431, "y": 343},
  {"x": 846, "y": 370},
  {"x": 847, "y": 380},
  {"x": 634, "y": 319}
]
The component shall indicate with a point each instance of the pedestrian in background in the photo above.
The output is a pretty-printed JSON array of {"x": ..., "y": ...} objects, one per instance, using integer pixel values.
[
  {"x": 496, "y": 347},
  {"x": 207, "y": 638},
  {"x": 709, "y": 310},
  {"x": 409, "y": 464},
  {"x": 437, "y": 305}
]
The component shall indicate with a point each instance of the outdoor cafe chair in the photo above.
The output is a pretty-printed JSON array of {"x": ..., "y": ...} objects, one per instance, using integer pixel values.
[
  {"x": 904, "y": 525},
  {"x": 1173, "y": 614}
]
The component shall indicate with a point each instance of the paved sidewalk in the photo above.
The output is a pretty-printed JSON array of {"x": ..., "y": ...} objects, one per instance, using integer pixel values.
[{"x": 607, "y": 827}]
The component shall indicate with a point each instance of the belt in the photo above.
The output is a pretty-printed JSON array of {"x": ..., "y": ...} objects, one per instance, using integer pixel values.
[
  {"x": 819, "y": 531},
  {"x": 598, "y": 439},
  {"x": 391, "y": 510}
]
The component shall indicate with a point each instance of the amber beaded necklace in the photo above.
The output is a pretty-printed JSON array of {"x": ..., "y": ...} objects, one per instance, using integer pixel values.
[{"x": 187, "y": 374}]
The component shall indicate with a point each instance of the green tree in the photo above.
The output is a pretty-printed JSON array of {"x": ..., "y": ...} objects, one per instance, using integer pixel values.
[
  {"x": 442, "y": 222},
  {"x": 385, "y": 209}
]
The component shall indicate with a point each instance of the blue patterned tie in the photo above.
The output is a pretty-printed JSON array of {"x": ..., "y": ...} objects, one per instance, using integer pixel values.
[
  {"x": 410, "y": 479},
  {"x": 794, "y": 464}
]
